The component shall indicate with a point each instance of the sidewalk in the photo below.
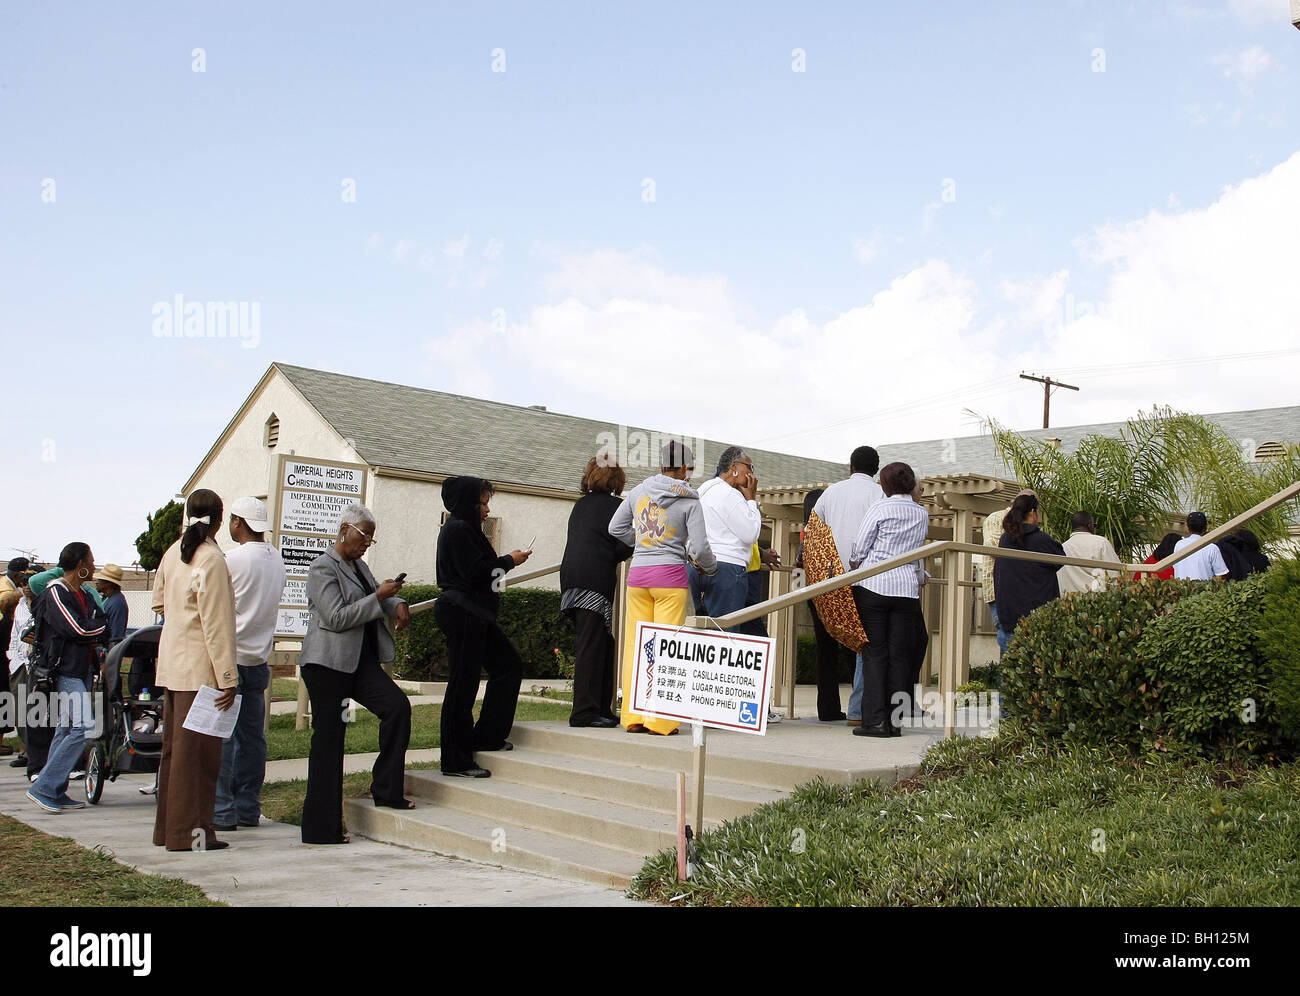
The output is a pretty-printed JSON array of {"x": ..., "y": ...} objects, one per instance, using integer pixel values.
[{"x": 269, "y": 865}]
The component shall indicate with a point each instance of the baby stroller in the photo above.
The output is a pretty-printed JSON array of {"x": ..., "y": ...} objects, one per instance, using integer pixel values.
[{"x": 130, "y": 733}]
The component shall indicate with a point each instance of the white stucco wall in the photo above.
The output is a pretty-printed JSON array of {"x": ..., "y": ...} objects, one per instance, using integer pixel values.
[{"x": 409, "y": 515}]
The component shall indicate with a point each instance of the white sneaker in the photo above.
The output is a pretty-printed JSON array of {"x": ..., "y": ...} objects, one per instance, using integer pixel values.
[
  {"x": 773, "y": 717},
  {"x": 149, "y": 789},
  {"x": 74, "y": 775}
]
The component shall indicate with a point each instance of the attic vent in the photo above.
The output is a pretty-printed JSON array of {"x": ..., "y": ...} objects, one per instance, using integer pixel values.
[
  {"x": 272, "y": 431},
  {"x": 1270, "y": 451}
]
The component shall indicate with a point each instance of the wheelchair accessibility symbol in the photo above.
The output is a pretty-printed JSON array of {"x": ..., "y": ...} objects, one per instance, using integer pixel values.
[{"x": 748, "y": 714}]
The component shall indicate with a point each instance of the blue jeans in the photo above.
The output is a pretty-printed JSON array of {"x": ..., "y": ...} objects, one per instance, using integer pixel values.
[
  {"x": 1002, "y": 636},
  {"x": 720, "y": 593},
  {"x": 243, "y": 754},
  {"x": 69, "y": 743},
  {"x": 855, "y": 697}
]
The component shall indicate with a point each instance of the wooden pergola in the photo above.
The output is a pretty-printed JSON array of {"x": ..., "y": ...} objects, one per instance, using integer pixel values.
[{"x": 958, "y": 505}]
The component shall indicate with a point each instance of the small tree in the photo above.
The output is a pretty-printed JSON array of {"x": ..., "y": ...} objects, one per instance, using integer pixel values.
[
  {"x": 1159, "y": 466},
  {"x": 164, "y": 530}
]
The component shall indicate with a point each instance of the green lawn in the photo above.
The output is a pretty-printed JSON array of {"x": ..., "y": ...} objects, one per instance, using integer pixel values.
[
  {"x": 282, "y": 801},
  {"x": 286, "y": 689},
  {"x": 1012, "y": 822},
  {"x": 39, "y": 870},
  {"x": 363, "y": 734}
]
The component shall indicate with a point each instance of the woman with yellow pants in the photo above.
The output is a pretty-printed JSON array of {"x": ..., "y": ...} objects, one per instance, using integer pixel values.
[{"x": 662, "y": 521}]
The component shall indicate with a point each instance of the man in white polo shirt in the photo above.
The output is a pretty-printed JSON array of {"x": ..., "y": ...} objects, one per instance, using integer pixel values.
[
  {"x": 732, "y": 522},
  {"x": 257, "y": 573},
  {"x": 1205, "y": 563},
  {"x": 842, "y": 507}
]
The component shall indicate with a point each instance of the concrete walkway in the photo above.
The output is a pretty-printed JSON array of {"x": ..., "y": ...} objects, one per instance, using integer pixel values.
[{"x": 270, "y": 866}]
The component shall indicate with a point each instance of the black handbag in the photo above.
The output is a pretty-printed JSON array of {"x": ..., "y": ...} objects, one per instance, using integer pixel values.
[{"x": 42, "y": 673}]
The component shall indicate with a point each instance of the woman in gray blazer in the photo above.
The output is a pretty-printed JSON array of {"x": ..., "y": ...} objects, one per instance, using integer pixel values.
[{"x": 345, "y": 645}]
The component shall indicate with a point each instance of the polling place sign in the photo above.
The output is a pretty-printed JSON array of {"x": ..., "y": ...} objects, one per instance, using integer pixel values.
[{"x": 698, "y": 676}]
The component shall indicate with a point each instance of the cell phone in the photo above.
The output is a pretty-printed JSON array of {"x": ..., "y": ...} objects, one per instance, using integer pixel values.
[
  {"x": 531, "y": 542},
  {"x": 400, "y": 578}
]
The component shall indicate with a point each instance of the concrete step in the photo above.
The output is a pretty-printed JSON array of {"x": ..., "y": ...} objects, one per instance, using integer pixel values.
[
  {"x": 630, "y": 785},
  {"x": 628, "y": 828},
  {"x": 494, "y": 841},
  {"x": 674, "y": 754}
]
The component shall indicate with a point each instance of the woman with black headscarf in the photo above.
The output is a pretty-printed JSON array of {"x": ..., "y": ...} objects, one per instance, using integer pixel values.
[{"x": 471, "y": 576}]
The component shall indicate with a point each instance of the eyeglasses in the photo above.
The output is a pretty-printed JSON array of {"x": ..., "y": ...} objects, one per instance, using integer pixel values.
[{"x": 369, "y": 540}]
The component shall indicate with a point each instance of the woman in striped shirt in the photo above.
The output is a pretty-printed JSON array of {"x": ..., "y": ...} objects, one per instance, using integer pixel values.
[{"x": 886, "y": 602}]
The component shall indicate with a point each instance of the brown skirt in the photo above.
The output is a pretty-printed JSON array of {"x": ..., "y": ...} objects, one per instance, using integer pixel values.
[{"x": 187, "y": 780}]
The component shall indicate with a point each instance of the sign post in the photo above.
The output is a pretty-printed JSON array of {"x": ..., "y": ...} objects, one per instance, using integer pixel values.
[
  {"x": 310, "y": 496},
  {"x": 705, "y": 678}
]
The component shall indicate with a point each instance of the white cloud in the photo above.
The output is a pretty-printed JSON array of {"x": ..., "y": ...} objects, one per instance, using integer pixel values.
[
  {"x": 1244, "y": 66},
  {"x": 1254, "y": 12},
  {"x": 451, "y": 261},
  {"x": 868, "y": 250},
  {"x": 619, "y": 333},
  {"x": 457, "y": 248}
]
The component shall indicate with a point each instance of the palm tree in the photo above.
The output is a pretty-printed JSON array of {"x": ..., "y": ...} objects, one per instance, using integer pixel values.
[{"x": 1141, "y": 482}]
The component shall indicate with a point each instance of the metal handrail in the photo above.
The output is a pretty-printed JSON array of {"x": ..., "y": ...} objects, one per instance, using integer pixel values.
[
  {"x": 760, "y": 609},
  {"x": 540, "y": 572},
  {"x": 952, "y": 549}
]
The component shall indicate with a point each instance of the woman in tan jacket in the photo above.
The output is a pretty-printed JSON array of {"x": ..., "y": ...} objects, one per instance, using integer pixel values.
[{"x": 197, "y": 647}]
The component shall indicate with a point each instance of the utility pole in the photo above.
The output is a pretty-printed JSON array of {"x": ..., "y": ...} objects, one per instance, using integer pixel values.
[{"x": 1048, "y": 384}]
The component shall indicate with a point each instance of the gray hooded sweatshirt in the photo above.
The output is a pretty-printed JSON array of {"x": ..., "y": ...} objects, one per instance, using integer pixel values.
[{"x": 661, "y": 519}]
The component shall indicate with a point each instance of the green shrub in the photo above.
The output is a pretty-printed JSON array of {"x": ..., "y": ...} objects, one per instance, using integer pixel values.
[
  {"x": 1072, "y": 665},
  {"x": 1215, "y": 687},
  {"x": 1279, "y": 641},
  {"x": 805, "y": 666},
  {"x": 990, "y": 674},
  {"x": 529, "y": 617}
]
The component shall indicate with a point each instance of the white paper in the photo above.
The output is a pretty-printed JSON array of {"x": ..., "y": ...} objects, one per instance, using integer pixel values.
[{"x": 204, "y": 716}]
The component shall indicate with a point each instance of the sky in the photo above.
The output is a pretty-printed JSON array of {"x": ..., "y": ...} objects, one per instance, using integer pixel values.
[{"x": 801, "y": 227}]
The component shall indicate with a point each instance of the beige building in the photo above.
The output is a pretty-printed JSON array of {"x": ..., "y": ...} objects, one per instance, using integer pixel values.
[{"x": 533, "y": 456}]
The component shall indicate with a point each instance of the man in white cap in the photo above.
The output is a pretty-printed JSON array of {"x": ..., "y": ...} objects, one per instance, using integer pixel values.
[{"x": 257, "y": 573}]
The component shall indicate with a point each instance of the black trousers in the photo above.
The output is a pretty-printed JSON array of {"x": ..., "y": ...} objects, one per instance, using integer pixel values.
[
  {"x": 888, "y": 658},
  {"x": 593, "y": 668},
  {"x": 4, "y": 681},
  {"x": 921, "y": 639},
  {"x": 828, "y": 671},
  {"x": 475, "y": 645},
  {"x": 322, "y": 811},
  {"x": 36, "y": 738}
]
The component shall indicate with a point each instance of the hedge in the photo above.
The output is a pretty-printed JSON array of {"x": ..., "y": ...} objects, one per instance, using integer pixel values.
[
  {"x": 1207, "y": 665},
  {"x": 530, "y": 617},
  {"x": 1215, "y": 685},
  {"x": 805, "y": 662},
  {"x": 1072, "y": 666},
  {"x": 1279, "y": 641}
]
